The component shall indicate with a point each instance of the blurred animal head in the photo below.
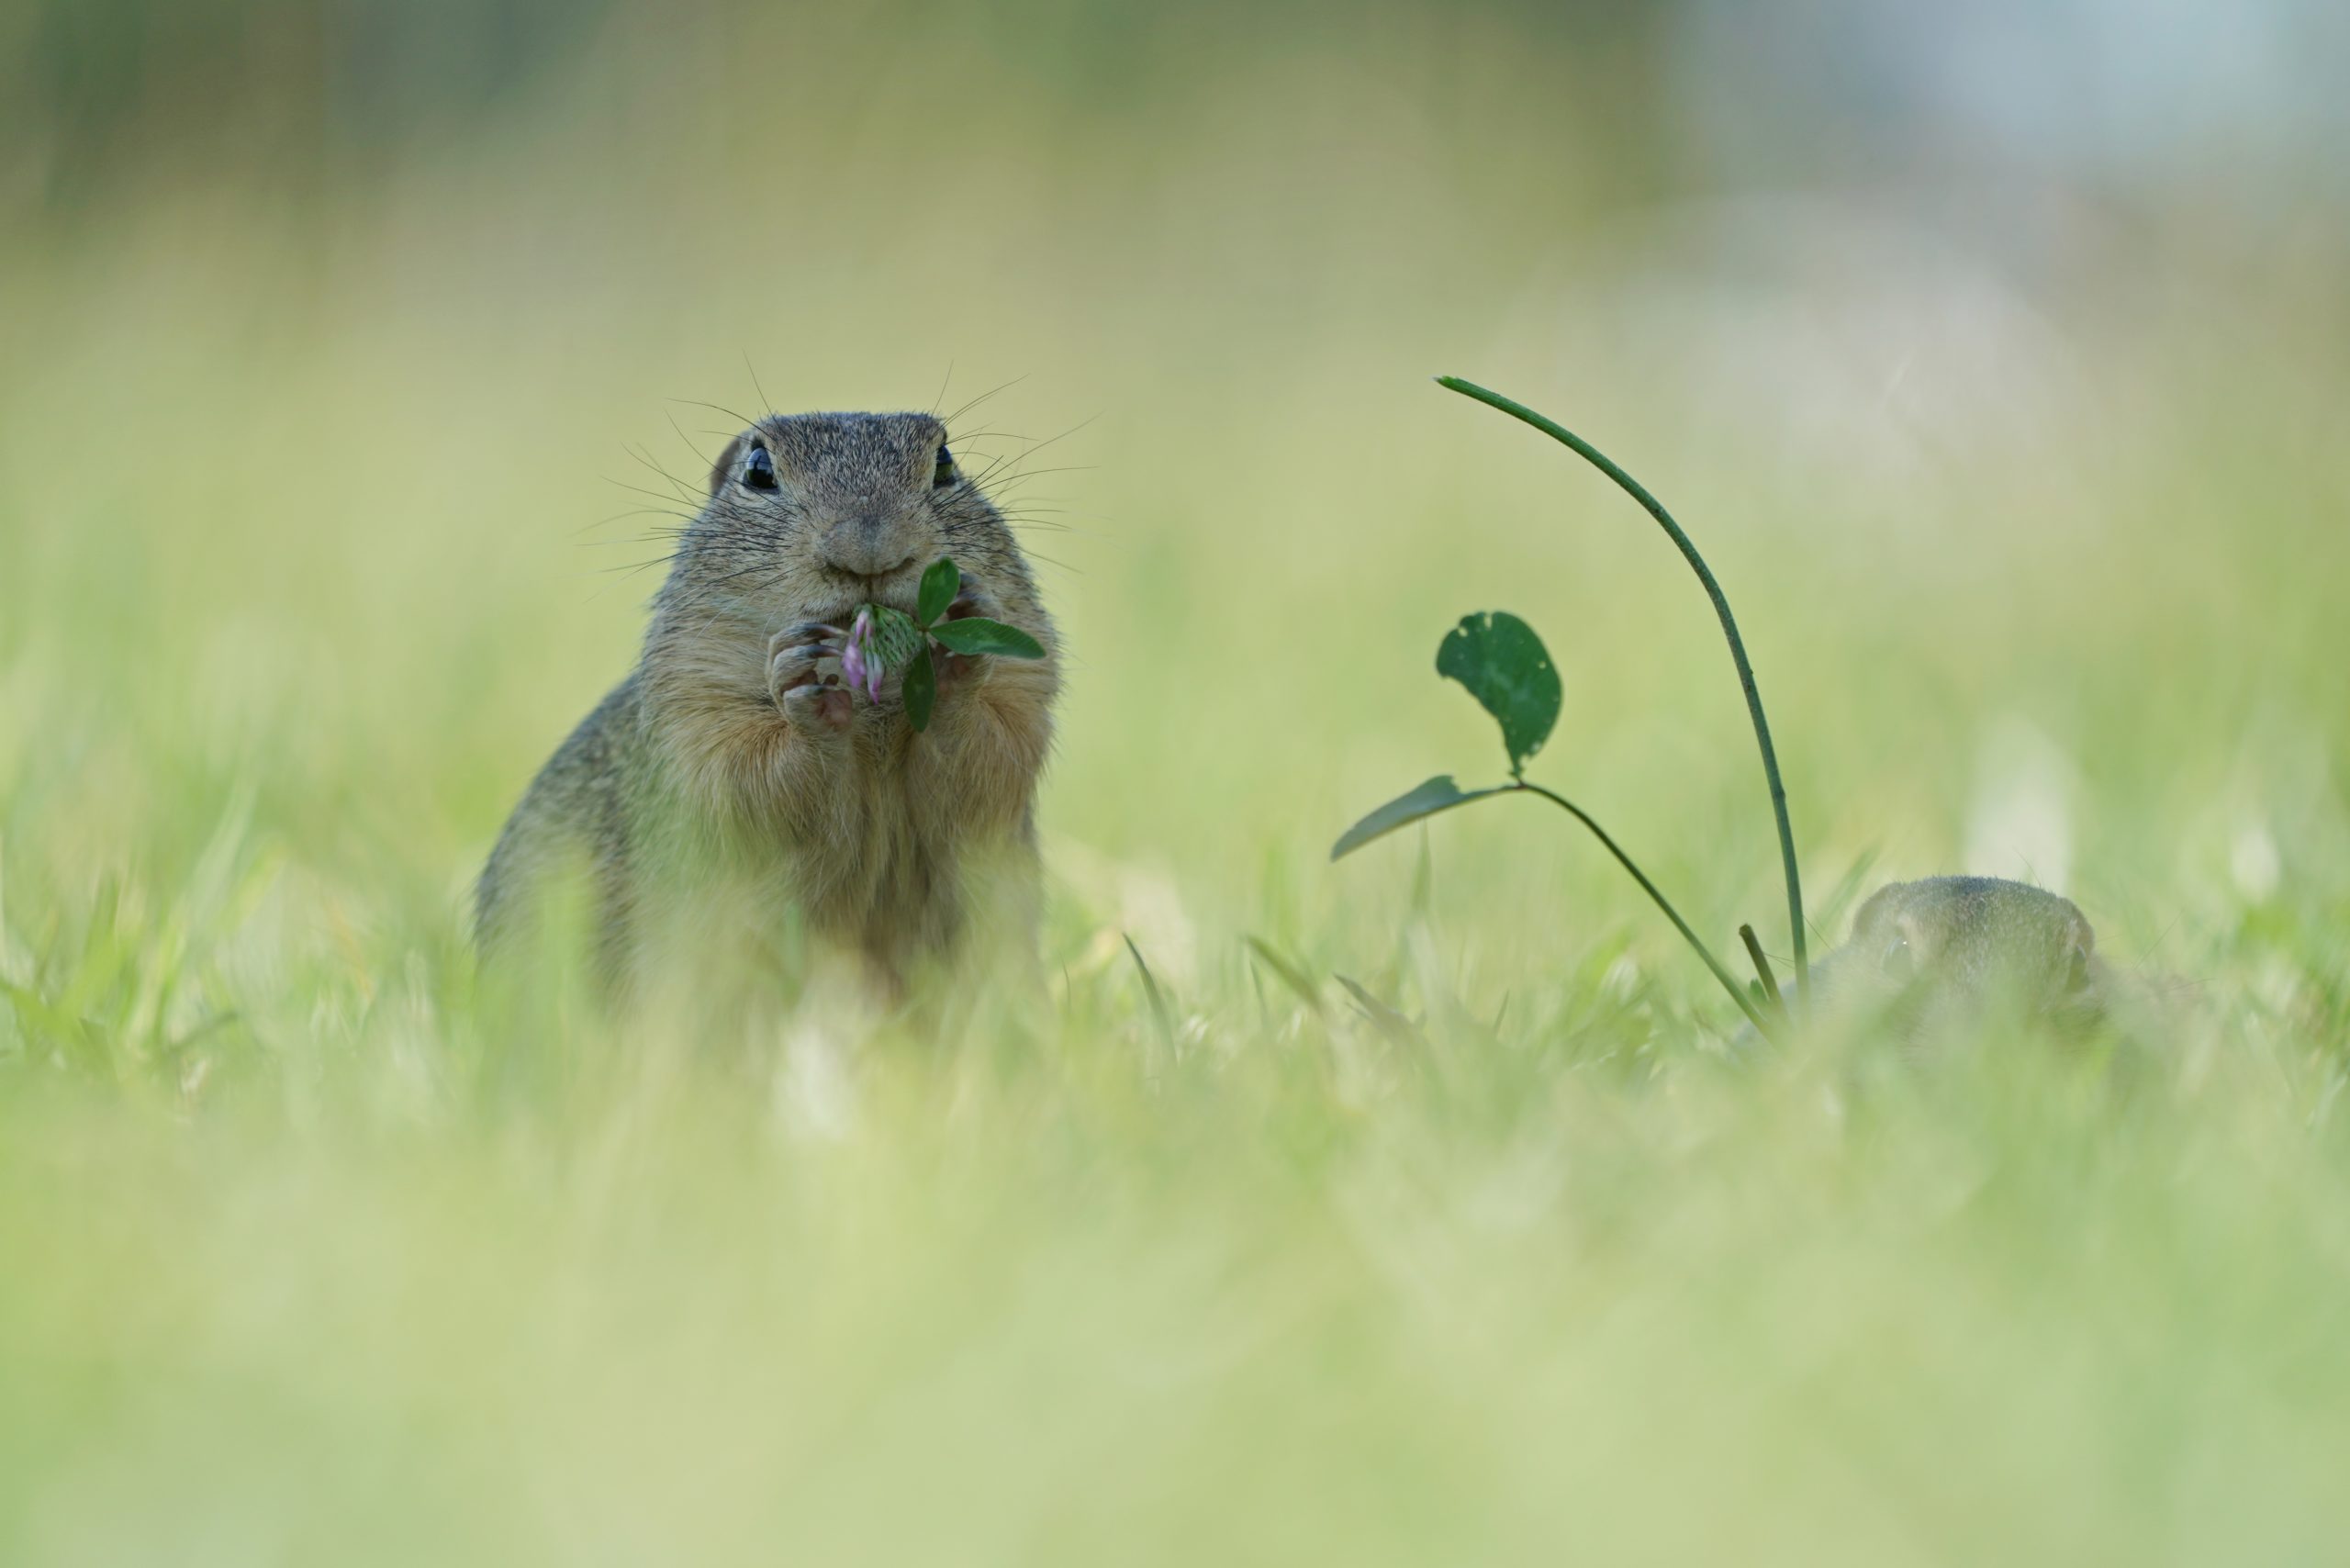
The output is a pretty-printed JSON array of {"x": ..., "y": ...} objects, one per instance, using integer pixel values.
[{"x": 1952, "y": 951}]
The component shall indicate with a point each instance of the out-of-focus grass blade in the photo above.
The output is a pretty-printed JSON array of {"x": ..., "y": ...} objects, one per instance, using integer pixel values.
[
  {"x": 1158, "y": 1008},
  {"x": 1398, "y": 1029},
  {"x": 1289, "y": 973}
]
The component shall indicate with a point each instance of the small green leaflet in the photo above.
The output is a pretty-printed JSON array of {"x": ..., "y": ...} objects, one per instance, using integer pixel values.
[
  {"x": 1503, "y": 664},
  {"x": 976, "y": 635},
  {"x": 921, "y": 690},
  {"x": 941, "y": 581},
  {"x": 1439, "y": 794}
]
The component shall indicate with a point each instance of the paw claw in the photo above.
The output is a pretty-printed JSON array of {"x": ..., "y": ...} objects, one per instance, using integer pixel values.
[{"x": 803, "y": 677}]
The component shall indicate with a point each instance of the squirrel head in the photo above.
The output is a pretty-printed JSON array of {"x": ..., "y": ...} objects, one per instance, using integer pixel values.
[
  {"x": 1950, "y": 949},
  {"x": 811, "y": 515}
]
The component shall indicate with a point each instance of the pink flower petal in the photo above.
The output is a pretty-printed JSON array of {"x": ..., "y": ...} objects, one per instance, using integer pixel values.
[{"x": 858, "y": 661}]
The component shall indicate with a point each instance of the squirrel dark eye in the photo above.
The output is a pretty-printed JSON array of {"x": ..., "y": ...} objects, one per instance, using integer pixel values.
[
  {"x": 758, "y": 469},
  {"x": 944, "y": 474}
]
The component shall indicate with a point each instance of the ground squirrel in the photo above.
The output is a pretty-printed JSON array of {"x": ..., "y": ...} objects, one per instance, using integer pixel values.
[
  {"x": 1930, "y": 955},
  {"x": 734, "y": 778}
]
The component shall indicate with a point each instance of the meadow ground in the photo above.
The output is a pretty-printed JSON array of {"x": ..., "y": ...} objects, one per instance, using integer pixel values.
[{"x": 314, "y": 538}]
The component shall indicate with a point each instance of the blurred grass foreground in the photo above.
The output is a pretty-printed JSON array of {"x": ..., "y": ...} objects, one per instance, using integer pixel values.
[{"x": 353, "y": 355}]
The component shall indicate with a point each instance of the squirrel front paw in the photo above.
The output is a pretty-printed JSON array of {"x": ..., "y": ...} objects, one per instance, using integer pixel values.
[{"x": 804, "y": 678}]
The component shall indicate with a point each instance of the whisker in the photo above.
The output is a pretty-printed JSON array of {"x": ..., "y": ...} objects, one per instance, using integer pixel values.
[
  {"x": 949, "y": 420},
  {"x": 741, "y": 421},
  {"x": 702, "y": 461}
]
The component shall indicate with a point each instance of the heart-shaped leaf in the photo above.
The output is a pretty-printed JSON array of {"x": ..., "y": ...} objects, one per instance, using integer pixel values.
[
  {"x": 921, "y": 690},
  {"x": 941, "y": 581},
  {"x": 977, "y": 635},
  {"x": 1503, "y": 664},
  {"x": 1439, "y": 794}
]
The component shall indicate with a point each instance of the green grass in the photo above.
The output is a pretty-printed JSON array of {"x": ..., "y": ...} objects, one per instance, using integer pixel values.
[{"x": 312, "y": 1250}]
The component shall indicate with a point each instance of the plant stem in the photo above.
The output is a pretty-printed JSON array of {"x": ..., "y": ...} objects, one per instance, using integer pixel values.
[
  {"x": 1770, "y": 982},
  {"x": 1633, "y": 488},
  {"x": 1737, "y": 994}
]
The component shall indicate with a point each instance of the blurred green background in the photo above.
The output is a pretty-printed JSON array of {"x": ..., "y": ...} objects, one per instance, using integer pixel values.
[{"x": 351, "y": 355}]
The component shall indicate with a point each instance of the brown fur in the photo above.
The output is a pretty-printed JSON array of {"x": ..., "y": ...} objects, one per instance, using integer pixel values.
[{"x": 726, "y": 779}]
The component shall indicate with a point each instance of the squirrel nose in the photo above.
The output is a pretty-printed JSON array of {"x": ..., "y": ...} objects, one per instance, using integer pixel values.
[{"x": 863, "y": 547}]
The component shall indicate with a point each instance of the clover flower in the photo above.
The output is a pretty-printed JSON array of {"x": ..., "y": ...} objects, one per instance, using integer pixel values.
[
  {"x": 884, "y": 640},
  {"x": 861, "y": 660}
]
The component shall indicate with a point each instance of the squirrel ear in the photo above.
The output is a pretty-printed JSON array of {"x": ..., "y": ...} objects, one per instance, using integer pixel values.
[
  {"x": 2084, "y": 935},
  {"x": 723, "y": 471},
  {"x": 1877, "y": 906}
]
